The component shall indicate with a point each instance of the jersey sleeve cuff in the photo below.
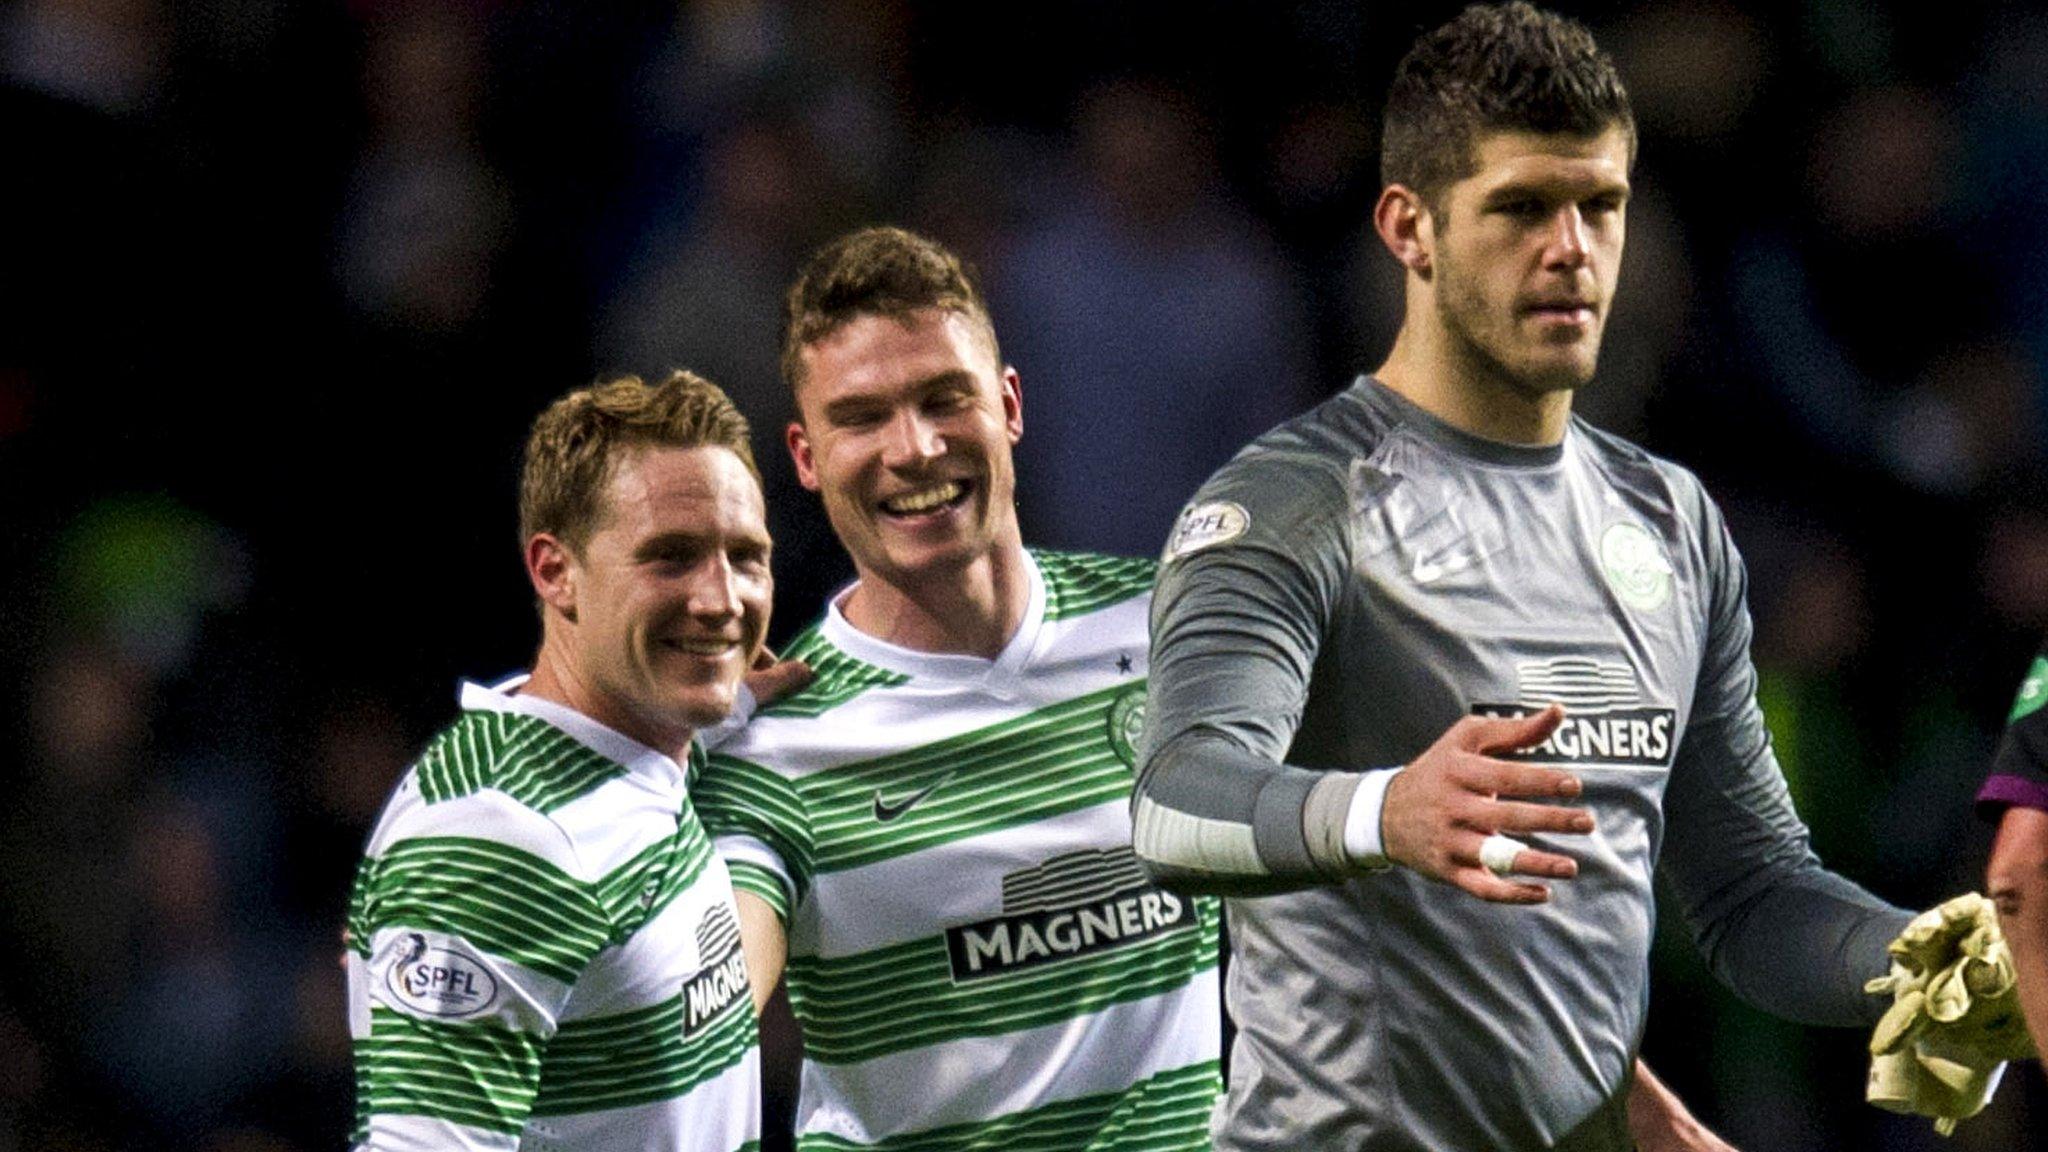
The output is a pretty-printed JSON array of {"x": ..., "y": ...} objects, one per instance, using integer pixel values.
[
  {"x": 755, "y": 868},
  {"x": 752, "y": 878},
  {"x": 1362, "y": 840}
]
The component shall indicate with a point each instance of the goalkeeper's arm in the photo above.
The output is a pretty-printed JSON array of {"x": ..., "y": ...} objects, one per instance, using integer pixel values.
[{"x": 2017, "y": 881}]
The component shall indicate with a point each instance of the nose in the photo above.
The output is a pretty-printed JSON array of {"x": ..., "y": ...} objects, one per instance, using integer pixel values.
[
  {"x": 913, "y": 440},
  {"x": 714, "y": 592},
  {"x": 1566, "y": 246}
]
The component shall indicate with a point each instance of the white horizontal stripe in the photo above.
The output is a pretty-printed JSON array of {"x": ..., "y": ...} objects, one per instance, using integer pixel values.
[
  {"x": 647, "y": 967},
  {"x": 740, "y": 847},
  {"x": 398, "y": 1133},
  {"x": 982, "y": 1078},
  {"x": 718, "y": 1115},
  {"x": 1073, "y": 659},
  {"x": 923, "y": 893}
]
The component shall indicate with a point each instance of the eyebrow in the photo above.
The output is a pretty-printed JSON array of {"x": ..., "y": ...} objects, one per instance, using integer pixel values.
[
  {"x": 671, "y": 542},
  {"x": 949, "y": 379},
  {"x": 1539, "y": 188}
]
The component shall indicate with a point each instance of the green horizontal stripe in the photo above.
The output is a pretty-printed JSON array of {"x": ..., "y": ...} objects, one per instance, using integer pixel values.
[
  {"x": 902, "y": 997},
  {"x": 639, "y": 1057},
  {"x": 1077, "y": 583},
  {"x": 748, "y": 876},
  {"x": 1049, "y": 762},
  {"x": 475, "y": 1074},
  {"x": 358, "y": 929},
  {"x": 507, "y": 902},
  {"x": 1167, "y": 1112},
  {"x": 737, "y": 797}
]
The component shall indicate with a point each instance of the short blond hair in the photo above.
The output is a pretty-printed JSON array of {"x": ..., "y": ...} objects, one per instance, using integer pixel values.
[{"x": 576, "y": 444}]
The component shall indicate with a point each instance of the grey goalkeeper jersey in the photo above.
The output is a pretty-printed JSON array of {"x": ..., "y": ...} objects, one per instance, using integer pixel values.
[{"x": 1334, "y": 599}]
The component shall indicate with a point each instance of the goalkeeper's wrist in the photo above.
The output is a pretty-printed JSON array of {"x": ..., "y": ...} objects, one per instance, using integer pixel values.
[{"x": 1363, "y": 842}]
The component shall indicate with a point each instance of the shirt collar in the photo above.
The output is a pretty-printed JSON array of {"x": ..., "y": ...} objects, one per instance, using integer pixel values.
[{"x": 637, "y": 758}]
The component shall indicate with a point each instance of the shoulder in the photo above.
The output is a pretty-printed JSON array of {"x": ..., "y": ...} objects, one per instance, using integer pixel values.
[
  {"x": 1285, "y": 491},
  {"x": 1077, "y": 583},
  {"x": 517, "y": 784},
  {"x": 523, "y": 757},
  {"x": 1665, "y": 492},
  {"x": 837, "y": 678}
]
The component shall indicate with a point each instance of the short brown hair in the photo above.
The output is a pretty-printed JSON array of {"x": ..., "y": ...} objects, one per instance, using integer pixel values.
[
  {"x": 878, "y": 271},
  {"x": 578, "y": 441},
  {"x": 1497, "y": 67}
]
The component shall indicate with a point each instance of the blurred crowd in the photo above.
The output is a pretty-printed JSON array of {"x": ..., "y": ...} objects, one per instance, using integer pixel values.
[{"x": 283, "y": 283}]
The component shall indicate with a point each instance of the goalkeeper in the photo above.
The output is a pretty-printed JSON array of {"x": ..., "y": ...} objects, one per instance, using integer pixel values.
[{"x": 1408, "y": 575}]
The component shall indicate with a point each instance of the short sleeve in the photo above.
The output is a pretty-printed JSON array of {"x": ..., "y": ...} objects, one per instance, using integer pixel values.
[{"x": 760, "y": 825}]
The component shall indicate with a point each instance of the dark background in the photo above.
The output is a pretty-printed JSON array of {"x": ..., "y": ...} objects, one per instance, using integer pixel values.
[{"x": 282, "y": 284}]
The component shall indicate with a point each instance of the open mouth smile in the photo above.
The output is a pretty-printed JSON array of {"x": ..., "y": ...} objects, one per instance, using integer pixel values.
[
  {"x": 709, "y": 647},
  {"x": 924, "y": 501}
]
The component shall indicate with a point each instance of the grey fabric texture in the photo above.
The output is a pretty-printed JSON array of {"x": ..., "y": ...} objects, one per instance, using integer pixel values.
[{"x": 1390, "y": 574}]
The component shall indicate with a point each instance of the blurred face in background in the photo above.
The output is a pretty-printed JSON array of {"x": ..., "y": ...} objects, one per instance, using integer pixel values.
[
  {"x": 1525, "y": 253},
  {"x": 905, "y": 428},
  {"x": 667, "y": 601}
]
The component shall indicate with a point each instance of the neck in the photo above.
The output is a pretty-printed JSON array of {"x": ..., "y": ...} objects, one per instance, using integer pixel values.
[
  {"x": 557, "y": 679},
  {"x": 1449, "y": 381},
  {"x": 969, "y": 611}
]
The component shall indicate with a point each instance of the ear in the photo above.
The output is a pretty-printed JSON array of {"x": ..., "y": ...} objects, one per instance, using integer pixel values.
[
  {"x": 1405, "y": 227},
  {"x": 1013, "y": 404},
  {"x": 799, "y": 442},
  {"x": 553, "y": 570}
]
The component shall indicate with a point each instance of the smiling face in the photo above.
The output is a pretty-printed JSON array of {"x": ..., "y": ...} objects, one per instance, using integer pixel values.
[
  {"x": 905, "y": 429},
  {"x": 1524, "y": 255},
  {"x": 666, "y": 603}
]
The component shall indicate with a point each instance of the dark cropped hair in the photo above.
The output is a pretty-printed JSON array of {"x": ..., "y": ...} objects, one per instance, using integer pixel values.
[
  {"x": 878, "y": 271},
  {"x": 1497, "y": 67}
]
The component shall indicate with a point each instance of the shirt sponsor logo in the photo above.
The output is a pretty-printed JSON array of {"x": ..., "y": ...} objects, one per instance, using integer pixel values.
[
  {"x": 722, "y": 980},
  {"x": 1071, "y": 906},
  {"x": 1429, "y": 570},
  {"x": 1636, "y": 567},
  {"x": 1631, "y": 737},
  {"x": 440, "y": 980},
  {"x": 1009, "y": 944},
  {"x": 1205, "y": 526}
]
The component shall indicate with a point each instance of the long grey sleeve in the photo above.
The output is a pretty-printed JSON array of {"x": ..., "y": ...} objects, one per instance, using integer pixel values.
[
  {"x": 1249, "y": 587},
  {"x": 1782, "y": 931}
]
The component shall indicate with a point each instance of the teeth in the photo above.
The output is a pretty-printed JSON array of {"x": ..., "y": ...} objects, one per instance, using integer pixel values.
[
  {"x": 926, "y": 500},
  {"x": 705, "y": 647}
]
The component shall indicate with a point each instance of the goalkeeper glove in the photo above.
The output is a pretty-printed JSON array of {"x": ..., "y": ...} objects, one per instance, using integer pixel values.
[{"x": 1954, "y": 1020}]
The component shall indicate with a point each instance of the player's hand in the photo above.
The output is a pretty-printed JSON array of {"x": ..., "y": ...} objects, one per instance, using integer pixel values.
[
  {"x": 1441, "y": 808},
  {"x": 771, "y": 679},
  {"x": 1658, "y": 1121}
]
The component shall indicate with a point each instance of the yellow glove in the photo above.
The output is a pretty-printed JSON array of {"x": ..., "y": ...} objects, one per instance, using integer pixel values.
[
  {"x": 1954, "y": 1020},
  {"x": 1946, "y": 1092}
]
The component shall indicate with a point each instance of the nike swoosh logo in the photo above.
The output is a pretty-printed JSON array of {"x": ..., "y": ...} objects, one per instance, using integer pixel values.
[
  {"x": 1427, "y": 571},
  {"x": 885, "y": 811}
]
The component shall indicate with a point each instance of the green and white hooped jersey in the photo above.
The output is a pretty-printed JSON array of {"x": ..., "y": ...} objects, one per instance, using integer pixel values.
[
  {"x": 544, "y": 951},
  {"x": 976, "y": 958}
]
